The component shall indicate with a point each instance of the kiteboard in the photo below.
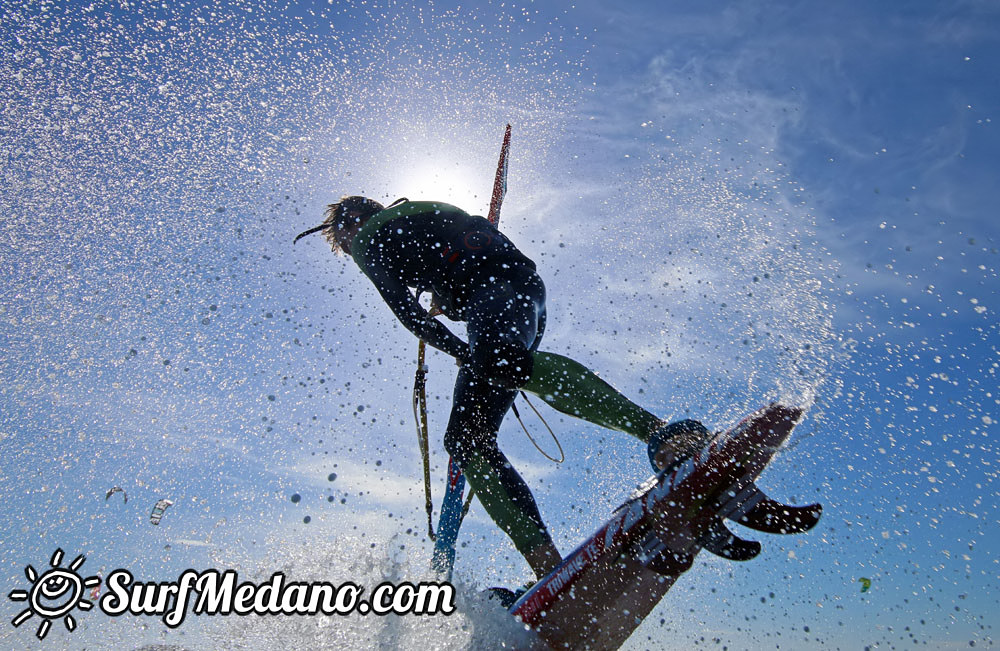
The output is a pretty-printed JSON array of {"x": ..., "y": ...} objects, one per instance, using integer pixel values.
[{"x": 602, "y": 591}]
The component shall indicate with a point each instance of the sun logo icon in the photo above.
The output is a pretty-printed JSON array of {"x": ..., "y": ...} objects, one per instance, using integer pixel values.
[{"x": 54, "y": 594}]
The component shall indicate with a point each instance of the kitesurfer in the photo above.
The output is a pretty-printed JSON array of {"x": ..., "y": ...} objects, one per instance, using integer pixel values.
[{"x": 476, "y": 275}]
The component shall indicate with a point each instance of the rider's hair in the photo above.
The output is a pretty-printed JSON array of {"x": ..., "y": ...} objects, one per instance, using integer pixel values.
[{"x": 338, "y": 216}]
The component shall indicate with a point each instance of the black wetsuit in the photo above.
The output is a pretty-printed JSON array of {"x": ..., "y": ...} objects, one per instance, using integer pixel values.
[
  {"x": 438, "y": 248},
  {"x": 478, "y": 276}
]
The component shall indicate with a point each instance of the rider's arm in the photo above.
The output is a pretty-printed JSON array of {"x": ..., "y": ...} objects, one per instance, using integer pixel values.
[{"x": 415, "y": 318}]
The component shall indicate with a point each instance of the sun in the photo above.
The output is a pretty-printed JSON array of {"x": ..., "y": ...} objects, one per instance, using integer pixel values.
[
  {"x": 435, "y": 166},
  {"x": 450, "y": 183},
  {"x": 54, "y": 594}
]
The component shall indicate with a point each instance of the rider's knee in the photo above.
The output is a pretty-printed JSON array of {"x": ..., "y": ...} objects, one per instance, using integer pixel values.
[{"x": 456, "y": 445}]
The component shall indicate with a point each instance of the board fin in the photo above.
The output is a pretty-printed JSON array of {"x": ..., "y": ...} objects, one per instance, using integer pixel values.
[
  {"x": 723, "y": 542},
  {"x": 770, "y": 516}
]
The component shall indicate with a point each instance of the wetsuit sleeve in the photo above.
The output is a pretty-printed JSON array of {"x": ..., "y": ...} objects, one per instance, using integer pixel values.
[{"x": 416, "y": 319}]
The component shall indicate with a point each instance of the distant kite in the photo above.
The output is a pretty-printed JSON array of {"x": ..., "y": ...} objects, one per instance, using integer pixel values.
[
  {"x": 865, "y": 584},
  {"x": 158, "y": 510},
  {"x": 116, "y": 489}
]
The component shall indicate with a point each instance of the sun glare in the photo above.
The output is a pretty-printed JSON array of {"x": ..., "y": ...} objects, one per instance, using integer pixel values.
[
  {"x": 449, "y": 181},
  {"x": 434, "y": 166}
]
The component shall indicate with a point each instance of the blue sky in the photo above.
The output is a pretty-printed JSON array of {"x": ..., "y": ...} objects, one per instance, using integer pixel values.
[{"x": 729, "y": 202}]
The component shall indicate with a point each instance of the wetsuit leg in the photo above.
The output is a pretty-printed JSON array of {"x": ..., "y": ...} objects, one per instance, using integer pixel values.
[
  {"x": 506, "y": 318},
  {"x": 471, "y": 440},
  {"x": 570, "y": 387}
]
